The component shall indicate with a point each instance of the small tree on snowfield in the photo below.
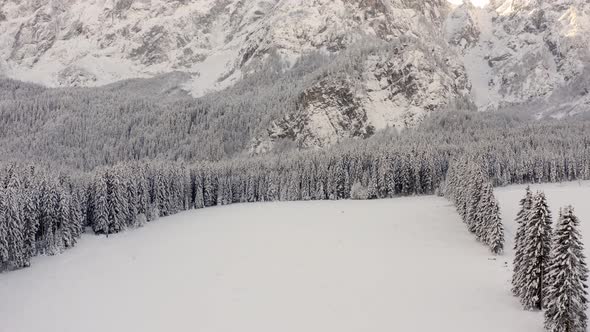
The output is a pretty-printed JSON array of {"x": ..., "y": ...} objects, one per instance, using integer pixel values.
[
  {"x": 521, "y": 218},
  {"x": 536, "y": 245},
  {"x": 566, "y": 289}
]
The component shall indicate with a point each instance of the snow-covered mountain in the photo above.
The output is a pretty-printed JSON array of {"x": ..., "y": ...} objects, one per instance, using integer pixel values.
[
  {"x": 397, "y": 59},
  {"x": 94, "y": 42},
  {"x": 521, "y": 51}
]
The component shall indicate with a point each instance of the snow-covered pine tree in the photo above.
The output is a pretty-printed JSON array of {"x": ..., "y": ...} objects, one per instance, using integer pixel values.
[
  {"x": 77, "y": 220},
  {"x": 163, "y": 191},
  {"x": 521, "y": 219},
  {"x": 405, "y": 176},
  {"x": 251, "y": 191},
  {"x": 31, "y": 222},
  {"x": 49, "y": 220},
  {"x": 188, "y": 190},
  {"x": 229, "y": 192},
  {"x": 451, "y": 182},
  {"x": 66, "y": 230},
  {"x": 273, "y": 186},
  {"x": 567, "y": 274},
  {"x": 536, "y": 245},
  {"x": 198, "y": 189},
  {"x": 293, "y": 186},
  {"x": 321, "y": 178},
  {"x": 494, "y": 227},
  {"x": 130, "y": 185},
  {"x": 209, "y": 187},
  {"x": 382, "y": 174},
  {"x": 389, "y": 176},
  {"x": 13, "y": 215},
  {"x": 460, "y": 188},
  {"x": 144, "y": 200},
  {"x": 306, "y": 185},
  {"x": 474, "y": 192},
  {"x": 483, "y": 213},
  {"x": 372, "y": 191},
  {"x": 416, "y": 166},
  {"x": 100, "y": 218},
  {"x": 3, "y": 230},
  {"x": 116, "y": 202}
]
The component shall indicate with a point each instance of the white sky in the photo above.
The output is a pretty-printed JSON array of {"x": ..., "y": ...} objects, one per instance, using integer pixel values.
[{"x": 480, "y": 3}]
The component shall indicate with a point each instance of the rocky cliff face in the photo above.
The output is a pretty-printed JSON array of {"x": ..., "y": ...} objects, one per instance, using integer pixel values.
[
  {"x": 405, "y": 57},
  {"x": 94, "y": 42},
  {"x": 519, "y": 51}
]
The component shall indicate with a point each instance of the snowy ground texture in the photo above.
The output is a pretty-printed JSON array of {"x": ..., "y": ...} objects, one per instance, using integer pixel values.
[{"x": 405, "y": 264}]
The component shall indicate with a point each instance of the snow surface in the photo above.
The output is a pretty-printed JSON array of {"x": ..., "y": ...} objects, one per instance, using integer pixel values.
[
  {"x": 404, "y": 264},
  {"x": 558, "y": 196}
]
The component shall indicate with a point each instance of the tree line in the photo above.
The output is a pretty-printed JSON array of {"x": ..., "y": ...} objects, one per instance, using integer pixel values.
[
  {"x": 43, "y": 212},
  {"x": 39, "y": 214},
  {"x": 468, "y": 186}
]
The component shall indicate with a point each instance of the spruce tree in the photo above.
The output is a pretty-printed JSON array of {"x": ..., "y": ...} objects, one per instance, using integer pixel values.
[
  {"x": 199, "y": 190},
  {"x": 100, "y": 218},
  {"x": 536, "y": 244},
  {"x": 566, "y": 291},
  {"x": 372, "y": 191},
  {"x": 483, "y": 213},
  {"x": 474, "y": 192},
  {"x": 494, "y": 228},
  {"x": 521, "y": 219},
  {"x": 66, "y": 232},
  {"x": 14, "y": 222},
  {"x": 116, "y": 202},
  {"x": 3, "y": 230},
  {"x": 31, "y": 223}
]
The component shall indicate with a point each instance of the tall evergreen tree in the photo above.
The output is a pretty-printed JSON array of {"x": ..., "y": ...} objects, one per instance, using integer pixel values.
[
  {"x": 494, "y": 227},
  {"x": 31, "y": 223},
  {"x": 521, "y": 219},
  {"x": 474, "y": 195},
  {"x": 116, "y": 202},
  {"x": 3, "y": 230},
  {"x": 484, "y": 212},
  {"x": 100, "y": 214},
  {"x": 566, "y": 291},
  {"x": 536, "y": 245}
]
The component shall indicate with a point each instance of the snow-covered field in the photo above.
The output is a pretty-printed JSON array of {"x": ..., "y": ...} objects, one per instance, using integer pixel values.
[{"x": 405, "y": 264}]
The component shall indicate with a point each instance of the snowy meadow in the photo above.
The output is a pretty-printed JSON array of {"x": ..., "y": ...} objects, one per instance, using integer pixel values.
[{"x": 391, "y": 264}]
